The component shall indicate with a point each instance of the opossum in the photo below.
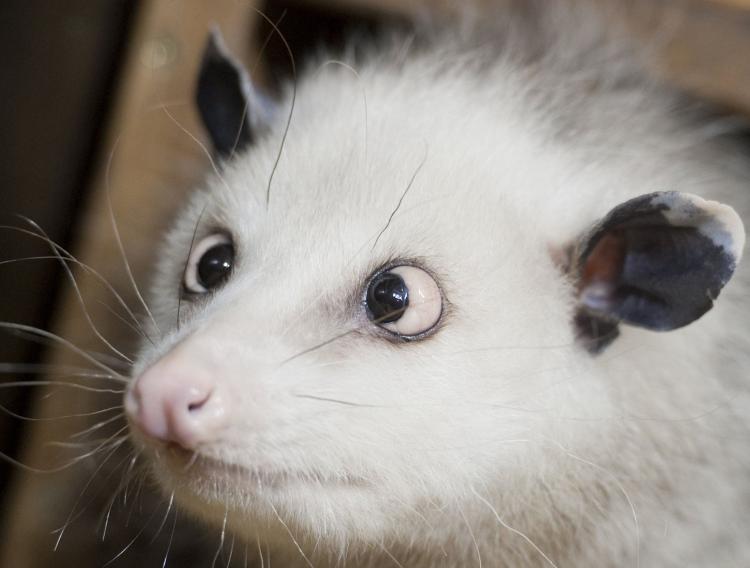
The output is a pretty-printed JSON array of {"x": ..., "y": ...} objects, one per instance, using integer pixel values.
[{"x": 457, "y": 303}]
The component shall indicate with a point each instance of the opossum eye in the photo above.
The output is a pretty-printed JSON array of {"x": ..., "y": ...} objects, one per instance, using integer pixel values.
[
  {"x": 405, "y": 300},
  {"x": 210, "y": 264}
]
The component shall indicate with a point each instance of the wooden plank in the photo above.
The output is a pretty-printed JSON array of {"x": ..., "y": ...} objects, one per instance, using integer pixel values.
[
  {"x": 709, "y": 53},
  {"x": 148, "y": 163},
  {"x": 740, "y": 4},
  {"x": 46, "y": 149}
]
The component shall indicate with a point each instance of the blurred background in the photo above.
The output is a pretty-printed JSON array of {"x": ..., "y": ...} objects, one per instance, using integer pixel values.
[{"x": 95, "y": 102}]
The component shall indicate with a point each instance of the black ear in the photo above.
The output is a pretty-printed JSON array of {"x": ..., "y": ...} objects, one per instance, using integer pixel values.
[
  {"x": 233, "y": 111},
  {"x": 657, "y": 261}
]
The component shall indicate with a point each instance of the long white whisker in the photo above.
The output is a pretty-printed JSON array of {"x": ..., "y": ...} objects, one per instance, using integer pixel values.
[
  {"x": 171, "y": 537},
  {"x": 164, "y": 520},
  {"x": 62, "y": 341},
  {"x": 127, "y": 546},
  {"x": 70, "y": 258},
  {"x": 97, "y": 426},
  {"x": 118, "y": 239},
  {"x": 9, "y": 412},
  {"x": 513, "y": 530},
  {"x": 70, "y": 517},
  {"x": 221, "y": 539},
  {"x": 289, "y": 532},
  {"x": 621, "y": 489},
  {"x": 14, "y": 384},
  {"x": 79, "y": 295}
]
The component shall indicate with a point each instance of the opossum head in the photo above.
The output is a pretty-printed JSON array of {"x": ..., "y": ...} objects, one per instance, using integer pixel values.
[{"x": 389, "y": 293}]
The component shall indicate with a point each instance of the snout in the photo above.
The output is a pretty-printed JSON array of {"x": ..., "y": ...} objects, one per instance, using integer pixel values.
[{"x": 177, "y": 401}]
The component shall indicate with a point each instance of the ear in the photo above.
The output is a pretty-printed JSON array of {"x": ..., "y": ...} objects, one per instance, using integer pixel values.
[
  {"x": 657, "y": 261},
  {"x": 232, "y": 110}
]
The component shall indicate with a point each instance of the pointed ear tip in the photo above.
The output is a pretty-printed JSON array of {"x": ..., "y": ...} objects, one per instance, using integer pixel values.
[
  {"x": 732, "y": 224},
  {"x": 724, "y": 214},
  {"x": 215, "y": 42}
]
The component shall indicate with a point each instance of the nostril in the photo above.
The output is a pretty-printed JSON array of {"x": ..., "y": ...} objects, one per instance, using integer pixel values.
[
  {"x": 171, "y": 403},
  {"x": 198, "y": 404}
]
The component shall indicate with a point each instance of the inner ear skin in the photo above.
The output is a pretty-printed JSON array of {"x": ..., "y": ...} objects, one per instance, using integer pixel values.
[
  {"x": 657, "y": 261},
  {"x": 222, "y": 102},
  {"x": 657, "y": 277},
  {"x": 601, "y": 271}
]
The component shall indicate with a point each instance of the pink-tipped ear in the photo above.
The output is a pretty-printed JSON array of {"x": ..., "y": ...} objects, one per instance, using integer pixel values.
[{"x": 657, "y": 261}]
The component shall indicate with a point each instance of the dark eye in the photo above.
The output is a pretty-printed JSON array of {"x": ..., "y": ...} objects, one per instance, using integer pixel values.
[
  {"x": 210, "y": 264},
  {"x": 405, "y": 300}
]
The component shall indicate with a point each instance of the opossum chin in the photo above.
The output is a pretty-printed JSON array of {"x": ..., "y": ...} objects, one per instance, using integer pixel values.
[{"x": 254, "y": 500}]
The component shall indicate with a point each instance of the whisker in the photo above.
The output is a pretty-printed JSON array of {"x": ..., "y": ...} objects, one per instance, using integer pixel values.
[
  {"x": 200, "y": 144},
  {"x": 15, "y": 384},
  {"x": 260, "y": 553},
  {"x": 316, "y": 347},
  {"x": 289, "y": 532},
  {"x": 401, "y": 199},
  {"x": 221, "y": 538},
  {"x": 118, "y": 239},
  {"x": 245, "y": 109},
  {"x": 171, "y": 537},
  {"x": 97, "y": 426},
  {"x": 471, "y": 534},
  {"x": 180, "y": 292},
  {"x": 127, "y": 546},
  {"x": 123, "y": 484},
  {"x": 361, "y": 85},
  {"x": 231, "y": 551},
  {"x": 336, "y": 401},
  {"x": 9, "y": 412},
  {"x": 36, "y": 368},
  {"x": 73, "y": 515},
  {"x": 337, "y": 337},
  {"x": 513, "y": 530},
  {"x": 137, "y": 329},
  {"x": 389, "y": 555},
  {"x": 293, "y": 103},
  {"x": 70, "y": 258},
  {"x": 79, "y": 295},
  {"x": 164, "y": 520},
  {"x": 621, "y": 488},
  {"x": 62, "y": 341}
]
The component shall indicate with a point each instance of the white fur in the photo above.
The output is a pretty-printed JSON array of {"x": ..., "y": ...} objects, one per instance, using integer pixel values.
[{"x": 498, "y": 437}]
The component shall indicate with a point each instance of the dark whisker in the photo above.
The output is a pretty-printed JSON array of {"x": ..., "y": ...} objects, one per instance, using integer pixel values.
[
  {"x": 245, "y": 109},
  {"x": 293, "y": 103},
  {"x": 318, "y": 346},
  {"x": 401, "y": 199},
  {"x": 180, "y": 291},
  {"x": 336, "y": 401}
]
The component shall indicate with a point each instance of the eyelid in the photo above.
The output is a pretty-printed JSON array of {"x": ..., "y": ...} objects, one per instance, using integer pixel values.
[
  {"x": 426, "y": 302},
  {"x": 190, "y": 280}
]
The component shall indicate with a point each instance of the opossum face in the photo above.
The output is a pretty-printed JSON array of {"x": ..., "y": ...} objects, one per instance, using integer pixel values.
[{"x": 378, "y": 325}]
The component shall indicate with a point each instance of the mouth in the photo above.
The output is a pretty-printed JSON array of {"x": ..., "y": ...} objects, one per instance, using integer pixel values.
[{"x": 192, "y": 466}]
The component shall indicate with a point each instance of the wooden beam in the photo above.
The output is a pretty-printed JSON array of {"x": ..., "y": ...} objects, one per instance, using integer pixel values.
[{"x": 147, "y": 165}]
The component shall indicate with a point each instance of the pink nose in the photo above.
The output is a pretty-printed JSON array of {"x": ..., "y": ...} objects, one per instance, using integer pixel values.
[{"x": 175, "y": 402}]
